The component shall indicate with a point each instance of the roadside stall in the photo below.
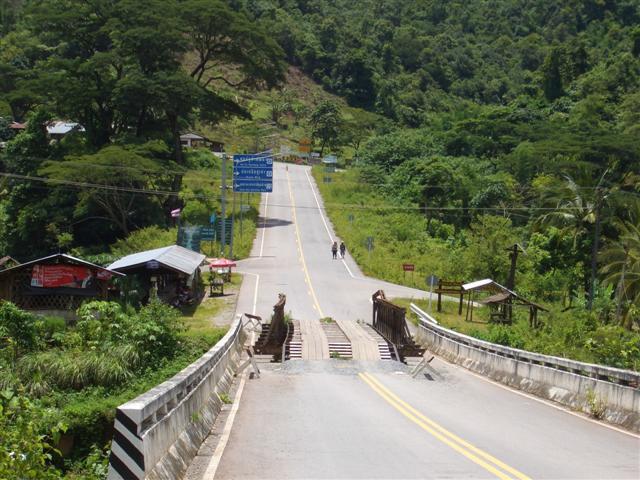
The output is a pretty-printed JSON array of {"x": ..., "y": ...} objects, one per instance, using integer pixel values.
[
  {"x": 55, "y": 285},
  {"x": 172, "y": 273}
]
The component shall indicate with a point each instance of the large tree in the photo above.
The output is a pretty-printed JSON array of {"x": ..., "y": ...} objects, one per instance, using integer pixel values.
[
  {"x": 325, "y": 121},
  {"x": 112, "y": 182},
  {"x": 229, "y": 47}
]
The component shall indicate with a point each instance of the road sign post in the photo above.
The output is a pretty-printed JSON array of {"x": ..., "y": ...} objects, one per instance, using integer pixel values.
[
  {"x": 233, "y": 221},
  {"x": 223, "y": 202},
  {"x": 431, "y": 281},
  {"x": 408, "y": 267}
]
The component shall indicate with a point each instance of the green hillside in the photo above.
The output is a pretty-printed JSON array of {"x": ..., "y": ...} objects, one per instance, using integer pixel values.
[{"x": 461, "y": 127}]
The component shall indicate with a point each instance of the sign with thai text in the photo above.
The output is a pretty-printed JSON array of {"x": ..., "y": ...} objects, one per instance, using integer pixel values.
[{"x": 72, "y": 276}]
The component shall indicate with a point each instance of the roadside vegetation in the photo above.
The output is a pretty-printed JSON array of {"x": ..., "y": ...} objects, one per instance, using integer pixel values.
[
  {"x": 461, "y": 129},
  {"x": 60, "y": 384},
  {"x": 470, "y": 244}
]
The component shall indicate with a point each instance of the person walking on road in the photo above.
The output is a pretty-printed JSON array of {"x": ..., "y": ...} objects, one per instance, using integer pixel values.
[
  {"x": 343, "y": 249},
  {"x": 334, "y": 250}
]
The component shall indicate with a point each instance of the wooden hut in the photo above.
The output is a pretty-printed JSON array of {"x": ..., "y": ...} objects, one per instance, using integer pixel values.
[
  {"x": 55, "y": 285},
  {"x": 501, "y": 301}
]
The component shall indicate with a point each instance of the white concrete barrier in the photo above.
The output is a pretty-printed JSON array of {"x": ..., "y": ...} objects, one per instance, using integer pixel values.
[
  {"x": 158, "y": 433},
  {"x": 605, "y": 392}
]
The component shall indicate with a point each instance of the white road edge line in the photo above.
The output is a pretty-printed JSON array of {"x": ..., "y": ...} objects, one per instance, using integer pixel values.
[
  {"x": 264, "y": 223},
  {"x": 306, "y": 172},
  {"x": 210, "y": 472},
  {"x": 541, "y": 400},
  {"x": 255, "y": 291}
]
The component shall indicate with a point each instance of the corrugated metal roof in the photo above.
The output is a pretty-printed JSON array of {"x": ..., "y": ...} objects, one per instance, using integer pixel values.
[
  {"x": 477, "y": 284},
  {"x": 62, "y": 128},
  {"x": 191, "y": 136},
  {"x": 62, "y": 256},
  {"x": 173, "y": 256}
]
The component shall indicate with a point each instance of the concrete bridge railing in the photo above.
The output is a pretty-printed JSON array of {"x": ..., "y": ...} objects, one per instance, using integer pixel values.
[
  {"x": 158, "y": 433},
  {"x": 605, "y": 392}
]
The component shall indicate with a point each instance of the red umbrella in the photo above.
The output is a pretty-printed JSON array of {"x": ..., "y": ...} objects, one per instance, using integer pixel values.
[{"x": 222, "y": 263}]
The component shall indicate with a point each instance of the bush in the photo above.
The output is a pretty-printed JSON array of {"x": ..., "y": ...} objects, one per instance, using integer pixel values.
[
  {"x": 615, "y": 346},
  {"x": 144, "y": 239},
  {"x": 25, "y": 451},
  {"x": 52, "y": 328},
  {"x": 153, "y": 331},
  {"x": 18, "y": 329},
  {"x": 502, "y": 335}
]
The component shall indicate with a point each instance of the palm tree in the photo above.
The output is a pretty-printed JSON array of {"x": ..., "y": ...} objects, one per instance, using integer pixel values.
[
  {"x": 622, "y": 265},
  {"x": 578, "y": 211}
]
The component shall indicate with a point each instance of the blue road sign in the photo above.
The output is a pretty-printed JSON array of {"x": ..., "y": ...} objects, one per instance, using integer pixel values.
[
  {"x": 207, "y": 233},
  {"x": 253, "y": 173},
  {"x": 253, "y": 160},
  {"x": 252, "y": 186}
]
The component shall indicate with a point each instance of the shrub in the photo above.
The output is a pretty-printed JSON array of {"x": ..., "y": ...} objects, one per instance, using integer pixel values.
[
  {"x": 144, "y": 239},
  {"x": 52, "y": 329},
  {"x": 615, "y": 346},
  {"x": 24, "y": 449},
  {"x": 156, "y": 330},
  {"x": 502, "y": 335},
  {"x": 18, "y": 329},
  {"x": 153, "y": 331}
]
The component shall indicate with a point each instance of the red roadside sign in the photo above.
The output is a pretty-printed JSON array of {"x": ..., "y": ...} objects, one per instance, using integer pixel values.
[{"x": 408, "y": 267}]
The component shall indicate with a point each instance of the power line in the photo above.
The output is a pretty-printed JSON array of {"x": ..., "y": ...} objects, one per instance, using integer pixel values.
[
  {"x": 99, "y": 186},
  {"x": 87, "y": 185}
]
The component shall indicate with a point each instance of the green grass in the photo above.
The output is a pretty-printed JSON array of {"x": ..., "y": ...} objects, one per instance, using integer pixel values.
[
  {"x": 449, "y": 317},
  {"x": 198, "y": 319}
]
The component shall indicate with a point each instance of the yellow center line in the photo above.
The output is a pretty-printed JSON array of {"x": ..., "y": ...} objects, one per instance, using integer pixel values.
[
  {"x": 304, "y": 263},
  {"x": 458, "y": 444}
]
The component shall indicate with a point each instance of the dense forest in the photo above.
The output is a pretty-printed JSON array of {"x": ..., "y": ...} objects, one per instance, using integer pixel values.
[
  {"x": 519, "y": 110},
  {"x": 461, "y": 128},
  {"x": 115, "y": 68}
]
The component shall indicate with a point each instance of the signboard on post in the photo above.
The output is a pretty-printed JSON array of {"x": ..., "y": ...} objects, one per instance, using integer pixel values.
[
  {"x": 304, "y": 146},
  {"x": 408, "y": 267},
  {"x": 228, "y": 230},
  {"x": 189, "y": 237},
  {"x": 207, "y": 233},
  {"x": 253, "y": 173}
]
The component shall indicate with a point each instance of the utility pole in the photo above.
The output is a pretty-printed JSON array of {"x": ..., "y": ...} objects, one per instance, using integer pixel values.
[
  {"x": 233, "y": 221},
  {"x": 223, "y": 204},
  {"x": 513, "y": 255},
  {"x": 511, "y": 281}
]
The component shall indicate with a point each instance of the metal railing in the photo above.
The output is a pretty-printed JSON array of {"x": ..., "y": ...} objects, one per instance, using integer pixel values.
[{"x": 599, "y": 372}]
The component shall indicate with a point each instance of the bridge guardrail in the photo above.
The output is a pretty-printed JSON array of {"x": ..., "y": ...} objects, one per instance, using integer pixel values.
[
  {"x": 604, "y": 392},
  {"x": 173, "y": 413},
  {"x": 599, "y": 372}
]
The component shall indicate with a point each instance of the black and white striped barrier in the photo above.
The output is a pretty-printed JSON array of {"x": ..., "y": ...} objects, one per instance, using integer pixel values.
[{"x": 158, "y": 433}]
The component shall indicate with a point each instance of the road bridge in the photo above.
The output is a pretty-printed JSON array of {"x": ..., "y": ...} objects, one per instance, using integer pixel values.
[{"x": 368, "y": 418}]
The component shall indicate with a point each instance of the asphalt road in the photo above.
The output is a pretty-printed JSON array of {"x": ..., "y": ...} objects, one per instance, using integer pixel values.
[{"x": 354, "y": 419}]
